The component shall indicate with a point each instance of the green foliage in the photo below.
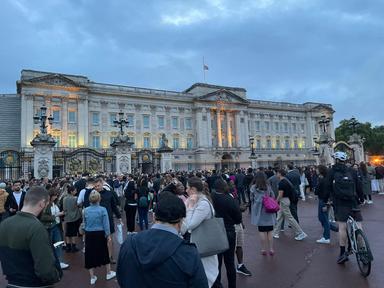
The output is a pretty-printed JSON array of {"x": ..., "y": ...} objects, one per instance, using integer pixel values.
[{"x": 374, "y": 136}]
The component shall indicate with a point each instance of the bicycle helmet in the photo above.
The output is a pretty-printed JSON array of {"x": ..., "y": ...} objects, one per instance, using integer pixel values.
[{"x": 342, "y": 156}]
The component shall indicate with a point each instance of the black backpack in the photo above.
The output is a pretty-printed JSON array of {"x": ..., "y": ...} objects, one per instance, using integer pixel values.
[{"x": 344, "y": 187}]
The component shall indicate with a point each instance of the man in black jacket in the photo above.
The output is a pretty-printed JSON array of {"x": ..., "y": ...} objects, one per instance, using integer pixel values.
[
  {"x": 130, "y": 194},
  {"x": 15, "y": 200},
  {"x": 172, "y": 264},
  {"x": 293, "y": 176}
]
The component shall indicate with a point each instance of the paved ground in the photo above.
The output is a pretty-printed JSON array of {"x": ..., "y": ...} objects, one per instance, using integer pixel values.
[{"x": 296, "y": 264}]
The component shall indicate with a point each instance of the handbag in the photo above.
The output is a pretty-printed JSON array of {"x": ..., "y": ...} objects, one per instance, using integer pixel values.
[
  {"x": 210, "y": 237},
  {"x": 270, "y": 204}
]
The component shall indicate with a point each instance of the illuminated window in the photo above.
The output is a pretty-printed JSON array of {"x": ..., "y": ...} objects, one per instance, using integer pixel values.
[
  {"x": 146, "y": 121},
  {"x": 96, "y": 142},
  {"x": 295, "y": 144},
  {"x": 72, "y": 143},
  {"x": 71, "y": 116}
]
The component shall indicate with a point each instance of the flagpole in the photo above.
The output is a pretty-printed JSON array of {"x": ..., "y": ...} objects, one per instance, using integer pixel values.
[{"x": 204, "y": 69}]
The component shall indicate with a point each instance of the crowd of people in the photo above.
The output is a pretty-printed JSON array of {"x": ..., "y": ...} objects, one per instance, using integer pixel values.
[{"x": 42, "y": 218}]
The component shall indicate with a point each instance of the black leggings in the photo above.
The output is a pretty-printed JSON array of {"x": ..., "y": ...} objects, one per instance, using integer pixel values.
[{"x": 130, "y": 214}]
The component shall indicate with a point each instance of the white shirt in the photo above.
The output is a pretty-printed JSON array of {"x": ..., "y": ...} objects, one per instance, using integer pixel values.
[
  {"x": 17, "y": 197},
  {"x": 54, "y": 211}
]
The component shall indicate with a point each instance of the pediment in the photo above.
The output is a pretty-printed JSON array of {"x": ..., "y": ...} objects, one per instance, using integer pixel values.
[
  {"x": 322, "y": 107},
  {"x": 55, "y": 80},
  {"x": 223, "y": 95}
]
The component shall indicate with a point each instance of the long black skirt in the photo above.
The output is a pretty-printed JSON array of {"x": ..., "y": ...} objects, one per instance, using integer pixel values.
[{"x": 96, "y": 249}]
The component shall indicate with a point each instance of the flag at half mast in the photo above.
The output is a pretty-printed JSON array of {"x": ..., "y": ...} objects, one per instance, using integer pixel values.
[{"x": 205, "y": 67}]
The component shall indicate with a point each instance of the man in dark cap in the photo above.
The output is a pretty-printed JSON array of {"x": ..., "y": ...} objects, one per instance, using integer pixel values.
[{"x": 158, "y": 257}]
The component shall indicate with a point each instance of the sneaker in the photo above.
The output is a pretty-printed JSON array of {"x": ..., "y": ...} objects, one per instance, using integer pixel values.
[
  {"x": 342, "y": 259},
  {"x": 111, "y": 275},
  {"x": 301, "y": 236},
  {"x": 370, "y": 202},
  {"x": 323, "y": 241},
  {"x": 93, "y": 280},
  {"x": 83, "y": 250},
  {"x": 243, "y": 270},
  {"x": 276, "y": 236},
  {"x": 63, "y": 265}
]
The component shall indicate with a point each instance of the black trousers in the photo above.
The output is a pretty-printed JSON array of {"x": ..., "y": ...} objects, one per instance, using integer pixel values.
[
  {"x": 293, "y": 209},
  {"x": 229, "y": 261},
  {"x": 130, "y": 215}
]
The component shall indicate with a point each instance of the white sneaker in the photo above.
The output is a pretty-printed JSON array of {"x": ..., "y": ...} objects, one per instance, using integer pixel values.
[
  {"x": 370, "y": 202},
  {"x": 63, "y": 265},
  {"x": 301, "y": 236},
  {"x": 276, "y": 236},
  {"x": 111, "y": 275},
  {"x": 323, "y": 241},
  {"x": 93, "y": 280}
]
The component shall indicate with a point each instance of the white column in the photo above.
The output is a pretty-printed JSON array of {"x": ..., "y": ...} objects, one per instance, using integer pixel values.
[
  {"x": 23, "y": 135},
  {"x": 82, "y": 124},
  {"x": 199, "y": 128},
  {"x": 29, "y": 124},
  {"x": 229, "y": 130},
  {"x": 246, "y": 131},
  {"x": 310, "y": 128},
  {"x": 64, "y": 122},
  {"x": 237, "y": 133},
  {"x": 219, "y": 136},
  {"x": 209, "y": 130}
]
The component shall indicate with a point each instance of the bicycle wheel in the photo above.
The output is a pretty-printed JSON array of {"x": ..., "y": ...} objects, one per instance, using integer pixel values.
[{"x": 363, "y": 254}]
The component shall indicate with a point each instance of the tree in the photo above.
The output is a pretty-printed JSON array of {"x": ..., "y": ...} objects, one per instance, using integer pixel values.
[{"x": 374, "y": 136}]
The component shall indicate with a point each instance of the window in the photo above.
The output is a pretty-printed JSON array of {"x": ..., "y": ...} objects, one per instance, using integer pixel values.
[
  {"x": 258, "y": 144},
  {"x": 175, "y": 122},
  {"x": 287, "y": 144},
  {"x": 112, "y": 118},
  {"x": 71, "y": 116},
  {"x": 188, "y": 123},
  {"x": 276, "y": 126},
  {"x": 294, "y": 127},
  {"x": 278, "y": 144},
  {"x": 72, "y": 141},
  {"x": 257, "y": 125},
  {"x": 189, "y": 143},
  {"x": 112, "y": 139},
  {"x": 295, "y": 144},
  {"x": 176, "y": 143},
  {"x": 160, "y": 141},
  {"x": 302, "y": 126},
  {"x": 160, "y": 122},
  {"x": 147, "y": 142},
  {"x": 266, "y": 124},
  {"x": 132, "y": 140},
  {"x": 146, "y": 121},
  {"x": 190, "y": 167},
  {"x": 58, "y": 140},
  {"x": 269, "y": 144},
  {"x": 56, "y": 116},
  {"x": 204, "y": 118},
  {"x": 241, "y": 120},
  {"x": 285, "y": 127},
  {"x": 130, "y": 120},
  {"x": 95, "y": 118},
  {"x": 96, "y": 141}
]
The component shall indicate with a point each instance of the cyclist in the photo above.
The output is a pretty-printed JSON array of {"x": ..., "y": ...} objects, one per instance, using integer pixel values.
[{"x": 346, "y": 196}]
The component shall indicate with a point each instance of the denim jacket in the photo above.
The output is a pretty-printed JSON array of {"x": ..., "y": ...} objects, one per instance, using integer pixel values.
[{"x": 96, "y": 219}]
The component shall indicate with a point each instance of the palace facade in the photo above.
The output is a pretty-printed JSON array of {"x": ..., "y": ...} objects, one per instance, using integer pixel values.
[{"x": 208, "y": 126}]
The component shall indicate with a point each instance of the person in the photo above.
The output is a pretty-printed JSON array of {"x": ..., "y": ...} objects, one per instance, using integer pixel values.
[
  {"x": 97, "y": 234},
  {"x": 130, "y": 207},
  {"x": 346, "y": 196},
  {"x": 15, "y": 199},
  {"x": 322, "y": 191},
  {"x": 3, "y": 198},
  {"x": 158, "y": 257},
  {"x": 199, "y": 208},
  {"x": 50, "y": 218},
  {"x": 365, "y": 182},
  {"x": 247, "y": 184},
  {"x": 240, "y": 186},
  {"x": 72, "y": 218},
  {"x": 143, "y": 201},
  {"x": 293, "y": 176},
  {"x": 26, "y": 252},
  {"x": 286, "y": 194},
  {"x": 108, "y": 201},
  {"x": 259, "y": 216},
  {"x": 227, "y": 208}
]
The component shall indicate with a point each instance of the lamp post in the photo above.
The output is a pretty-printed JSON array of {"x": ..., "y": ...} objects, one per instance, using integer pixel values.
[
  {"x": 252, "y": 157},
  {"x": 42, "y": 119},
  {"x": 324, "y": 122},
  {"x": 121, "y": 122}
]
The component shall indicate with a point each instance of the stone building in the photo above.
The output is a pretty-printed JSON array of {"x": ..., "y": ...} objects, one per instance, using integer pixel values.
[{"x": 208, "y": 126}]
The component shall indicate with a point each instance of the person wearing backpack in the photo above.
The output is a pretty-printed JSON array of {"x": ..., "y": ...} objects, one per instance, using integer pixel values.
[
  {"x": 143, "y": 203},
  {"x": 346, "y": 196},
  {"x": 130, "y": 207}
]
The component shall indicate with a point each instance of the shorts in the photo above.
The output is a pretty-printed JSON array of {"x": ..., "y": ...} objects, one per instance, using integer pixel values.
[
  {"x": 239, "y": 235},
  {"x": 342, "y": 213},
  {"x": 265, "y": 228}
]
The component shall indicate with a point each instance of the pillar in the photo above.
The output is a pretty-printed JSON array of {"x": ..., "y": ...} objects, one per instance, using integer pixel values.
[
  {"x": 229, "y": 130},
  {"x": 219, "y": 136},
  {"x": 43, "y": 157}
]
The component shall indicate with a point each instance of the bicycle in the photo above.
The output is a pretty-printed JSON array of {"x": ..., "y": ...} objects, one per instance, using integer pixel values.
[{"x": 358, "y": 245}]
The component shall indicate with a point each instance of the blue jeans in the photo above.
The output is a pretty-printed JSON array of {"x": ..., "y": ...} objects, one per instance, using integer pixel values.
[
  {"x": 55, "y": 235},
  {"x": 323, "y": 218},
  {"x": 143, "y": 218}
]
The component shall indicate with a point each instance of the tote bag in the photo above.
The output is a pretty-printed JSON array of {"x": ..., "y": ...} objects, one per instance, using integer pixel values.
[{"x": 210, "y": 237}]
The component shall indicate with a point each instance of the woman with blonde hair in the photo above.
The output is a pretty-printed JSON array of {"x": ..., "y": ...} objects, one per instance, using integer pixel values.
[
  {"x": 97, "y": 236},
  {"x": 200, "y": 208}
]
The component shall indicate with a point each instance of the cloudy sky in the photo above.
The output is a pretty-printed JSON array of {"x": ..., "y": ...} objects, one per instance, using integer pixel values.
[{"x": 329, "y": 51}]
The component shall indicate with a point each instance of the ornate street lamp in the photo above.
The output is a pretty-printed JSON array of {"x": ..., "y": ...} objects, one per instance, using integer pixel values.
[
  {"x": 42, "y": 119},
  {"x": 121, "y": 122},
  {"x": 324, "y": 122},
  {"x": 252, "y": 145}
]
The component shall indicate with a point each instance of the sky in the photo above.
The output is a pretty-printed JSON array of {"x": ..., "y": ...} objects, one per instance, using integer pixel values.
[{"x": 328, "y": 51}]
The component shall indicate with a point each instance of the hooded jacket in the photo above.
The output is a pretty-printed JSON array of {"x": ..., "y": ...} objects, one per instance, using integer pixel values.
[{"x": 160, "y": 259}]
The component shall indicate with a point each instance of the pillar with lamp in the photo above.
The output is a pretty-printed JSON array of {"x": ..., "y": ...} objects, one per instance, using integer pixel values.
[
  {"x": 122, "y": 146},
  {"x": 324, "y": 143},
  {"x": 252, "y": 157},
  {"x": 43, "y": 146},
  {"x": 356, "y": 142}
]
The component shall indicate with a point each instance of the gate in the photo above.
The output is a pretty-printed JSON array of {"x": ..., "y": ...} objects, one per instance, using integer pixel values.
[
  {"x": 10, "y": 165},
  {"x": 345, "y": 147},
  {"x": 82, "y": 160}
]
